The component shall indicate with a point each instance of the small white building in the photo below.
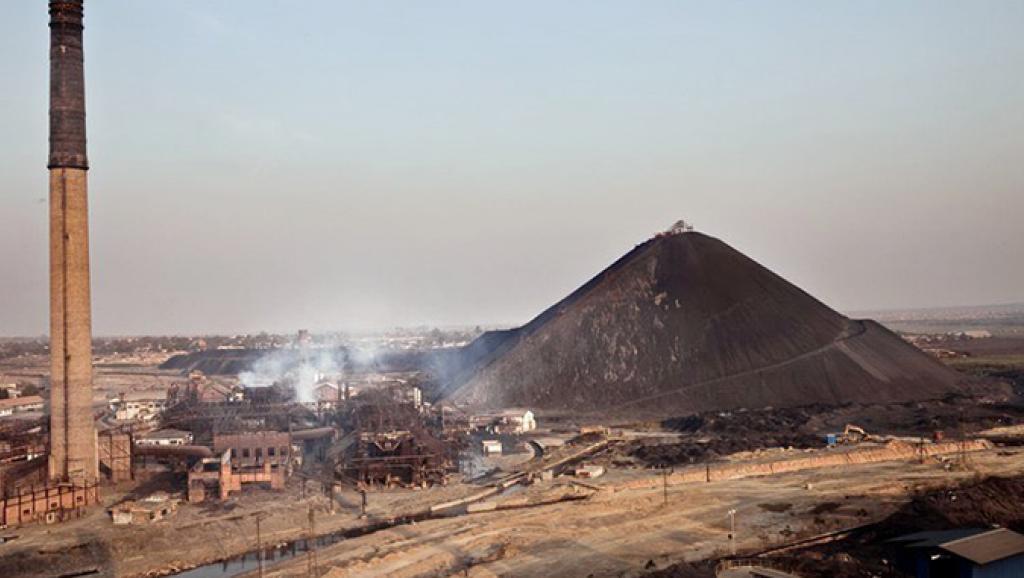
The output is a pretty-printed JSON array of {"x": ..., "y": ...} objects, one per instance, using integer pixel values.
[
  {"x": 12, "y": 390},
  {"x": 142, "y": 405},
  {"x": 491, "y": 447},
  {"x": 509, "y": 420},
  {"x": 526, "y": 421}
]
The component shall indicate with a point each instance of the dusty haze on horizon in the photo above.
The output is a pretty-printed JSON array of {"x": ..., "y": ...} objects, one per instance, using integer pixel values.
[{"x": 355, "y": 165}]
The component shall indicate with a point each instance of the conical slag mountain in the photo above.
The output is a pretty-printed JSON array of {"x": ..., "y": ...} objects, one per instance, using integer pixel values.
[{"x": 686, "y": 323}]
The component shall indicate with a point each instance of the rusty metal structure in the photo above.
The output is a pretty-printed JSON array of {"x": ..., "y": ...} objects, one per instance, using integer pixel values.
[
  {"x": 115, "y": 454},
  {"x": 23, "y": 445},
  {"x": 393, "y": 444},
  {"x": 207, "y": 419},
  {"x": 73, "y": 451}
]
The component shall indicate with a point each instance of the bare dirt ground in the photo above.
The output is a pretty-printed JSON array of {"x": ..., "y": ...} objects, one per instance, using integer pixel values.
[
  {"x": 628, "y": 532},
  {"x": 710, "y": 436},
  {"x": 612, "y": 532},
  {"x": 111, "y": 376},
  {"x": 608, "y": 531},
  {"x": 198, "y": 534},
  {"x": 866, "y": 551}
]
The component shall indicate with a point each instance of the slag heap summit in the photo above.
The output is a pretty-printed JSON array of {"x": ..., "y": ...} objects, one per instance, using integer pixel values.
[{"x": 685, "y": 323}]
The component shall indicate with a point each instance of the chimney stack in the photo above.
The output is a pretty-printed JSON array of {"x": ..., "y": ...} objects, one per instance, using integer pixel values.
[{"x": 73, "y": 451}]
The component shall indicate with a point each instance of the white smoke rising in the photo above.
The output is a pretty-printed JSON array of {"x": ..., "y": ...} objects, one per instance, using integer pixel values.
[{"x": 300, "y": 368}]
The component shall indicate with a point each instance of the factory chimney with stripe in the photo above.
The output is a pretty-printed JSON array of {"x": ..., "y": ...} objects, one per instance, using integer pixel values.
[{"x": 73, "y": 451}]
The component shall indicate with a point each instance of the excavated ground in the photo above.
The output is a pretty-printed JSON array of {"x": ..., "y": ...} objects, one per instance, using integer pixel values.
[
  {"x": 972, "y": 504},
  {"x": 629, "y": 526},
  {"x": 196, "y": 534},
  {"x": 621, "y": 527},
  {"x": 709, "y": 436}
]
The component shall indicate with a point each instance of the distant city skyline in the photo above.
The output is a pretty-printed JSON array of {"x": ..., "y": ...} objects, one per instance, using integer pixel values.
[{"x": 351, "y": 166}]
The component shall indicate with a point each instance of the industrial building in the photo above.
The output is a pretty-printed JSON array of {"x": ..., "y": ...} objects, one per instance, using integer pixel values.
[
  {"x": 11, "y": 406},
  {"x": 251, "y": 458},
  {"x": 140, "y": 405},
  {"x": 505, "y": 421},
  {"x": 961, "y": 553},
  {"x": 165, "y": 437},
  {"x": 10, "y": 390}
]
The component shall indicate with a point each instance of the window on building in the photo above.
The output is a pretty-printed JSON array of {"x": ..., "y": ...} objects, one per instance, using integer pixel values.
[
  {"x": 259, "y": 453},
  {"x": 245, "y": 452},
  {"x": 271, "y": 452}
]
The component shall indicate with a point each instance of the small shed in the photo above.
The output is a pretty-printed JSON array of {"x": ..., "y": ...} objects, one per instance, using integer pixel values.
[{"x": 491, "y": 446}]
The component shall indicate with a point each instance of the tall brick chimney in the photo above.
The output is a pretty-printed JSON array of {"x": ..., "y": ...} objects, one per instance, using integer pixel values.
[{"x": 73, "y": 452}]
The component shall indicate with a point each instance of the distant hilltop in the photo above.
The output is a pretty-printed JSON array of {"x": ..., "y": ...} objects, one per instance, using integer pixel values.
[
  {"x": 685, "y": 323},
  {"x": 1006, "y": 311}
]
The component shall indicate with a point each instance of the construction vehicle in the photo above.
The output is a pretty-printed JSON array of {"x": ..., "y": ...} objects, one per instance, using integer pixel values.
[{"x": 852, "y": 434}]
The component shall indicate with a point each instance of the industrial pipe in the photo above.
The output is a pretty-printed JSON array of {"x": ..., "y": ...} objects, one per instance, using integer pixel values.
[
  {"x": 192, "y": 451},
  {"x": 312, "y": 434}
]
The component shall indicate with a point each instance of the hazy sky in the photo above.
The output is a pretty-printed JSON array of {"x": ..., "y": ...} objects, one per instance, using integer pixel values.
[{"x": 330, "y": 165}]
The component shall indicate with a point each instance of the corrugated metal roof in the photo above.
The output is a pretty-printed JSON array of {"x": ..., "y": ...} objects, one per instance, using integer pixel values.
[{"x": 988, "y": 547}]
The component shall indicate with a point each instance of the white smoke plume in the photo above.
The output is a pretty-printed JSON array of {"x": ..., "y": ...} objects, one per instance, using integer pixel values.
[{"x": 300, "y": 368}]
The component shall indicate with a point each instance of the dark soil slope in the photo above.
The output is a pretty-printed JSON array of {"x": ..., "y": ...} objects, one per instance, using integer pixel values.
[
  {"x": 685, "y": 323},
  {"x": 215, "y": 361}
]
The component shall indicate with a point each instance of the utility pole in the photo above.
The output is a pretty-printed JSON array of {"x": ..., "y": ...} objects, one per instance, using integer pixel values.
[
  {"x": 664, "y": 482},
  {"x": 732, "y": 530},
  {"x": 259, "y": 548},
  {"x": 962, "y": 443},
  {"x": 311, "y": 567}
]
